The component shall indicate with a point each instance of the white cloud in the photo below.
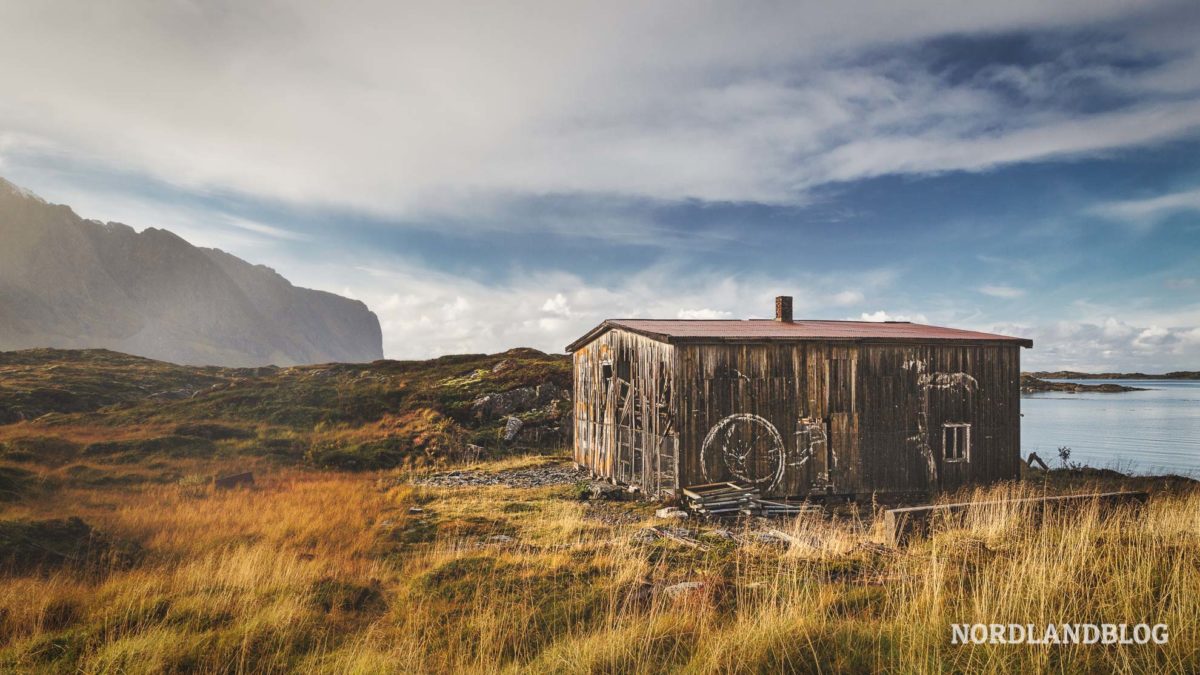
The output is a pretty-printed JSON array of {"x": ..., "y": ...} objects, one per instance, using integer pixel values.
[
  {"x": 1146, "y": 212},
  {"x": 1116, "y": 330},
  {"x": 1007, "y": 292},
  {"x": 848, "y": 298},
  {"x": 557, "y": 305},
  {"x": 881, "y": 315},
  {"x": 1153, "y": 338},
  {"x": 455, "y": 309},
  {"x": 440, "y": 313},
  {"x": 703, "y": 314},
  {"x": 1146, "y": 342},
  {"x": 939, "y": 151},
  {"x": 268, "y": 230}
]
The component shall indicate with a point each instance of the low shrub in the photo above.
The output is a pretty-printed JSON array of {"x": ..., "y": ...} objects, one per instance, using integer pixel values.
[
  {"x": 381, "y": 454},
  {"x": 49, "y": 450},
  {"x": 15, "y": 483},
  {"x": 211, "y": 431},
  {"x": 41, "y": 545},
  {"x": 330, "y": 595},
  {"x": 171, "y": 446}
]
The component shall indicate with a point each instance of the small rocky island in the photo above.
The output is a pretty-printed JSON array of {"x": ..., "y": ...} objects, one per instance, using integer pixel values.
[{"x": 1031, "y": 384}]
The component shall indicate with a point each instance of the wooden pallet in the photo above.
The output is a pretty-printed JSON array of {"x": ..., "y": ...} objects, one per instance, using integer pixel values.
[{"x": 718, "y": 499}]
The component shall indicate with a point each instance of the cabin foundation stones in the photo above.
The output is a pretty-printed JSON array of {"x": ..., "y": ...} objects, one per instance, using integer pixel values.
[{"x": 763, "y": 415}]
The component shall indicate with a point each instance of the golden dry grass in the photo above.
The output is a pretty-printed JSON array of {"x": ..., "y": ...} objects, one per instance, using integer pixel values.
[{"x": 330, "y": 572}]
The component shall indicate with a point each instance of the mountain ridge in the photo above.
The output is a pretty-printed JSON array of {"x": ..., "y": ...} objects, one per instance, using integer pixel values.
[{"x": 70, "y": 282}]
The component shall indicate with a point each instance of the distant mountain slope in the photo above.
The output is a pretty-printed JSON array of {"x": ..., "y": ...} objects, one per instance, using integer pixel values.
[{"x": 67, "y": 282}]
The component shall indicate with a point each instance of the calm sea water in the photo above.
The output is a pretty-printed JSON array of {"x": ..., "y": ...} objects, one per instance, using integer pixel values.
[{"x": 1153, "y": 431}]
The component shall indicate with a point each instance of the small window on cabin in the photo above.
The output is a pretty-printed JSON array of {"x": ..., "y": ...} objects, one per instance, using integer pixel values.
[
  {"x": 956, "y": 442},
  {"x": 624, "y": 370},
  {"x": 606, "y": 369}
]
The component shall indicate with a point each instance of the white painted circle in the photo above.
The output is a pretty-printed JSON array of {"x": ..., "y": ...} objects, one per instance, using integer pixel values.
[{"x": 725, "y": 445}]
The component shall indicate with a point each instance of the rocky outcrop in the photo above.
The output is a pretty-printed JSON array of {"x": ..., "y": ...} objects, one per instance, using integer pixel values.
[
  {"x": 522, "y": 399},
  {"x": 532, "y": 414},
  {"x": 1030, "y": 384},
  {"x": 72, "y": 283}
]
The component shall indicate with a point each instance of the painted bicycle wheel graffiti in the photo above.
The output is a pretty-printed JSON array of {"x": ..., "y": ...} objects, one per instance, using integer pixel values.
[{"x": 746, "y": 447}]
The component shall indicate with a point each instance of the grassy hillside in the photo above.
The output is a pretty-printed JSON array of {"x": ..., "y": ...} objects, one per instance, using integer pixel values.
[
  {"x": 40, "y": 381},
  {"x": 371, "y": 542},
  {"x": 94, "y": 408}
]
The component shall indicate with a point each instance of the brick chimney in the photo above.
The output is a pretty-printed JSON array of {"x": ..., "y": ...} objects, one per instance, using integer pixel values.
[{"x": 783, "y": 308}]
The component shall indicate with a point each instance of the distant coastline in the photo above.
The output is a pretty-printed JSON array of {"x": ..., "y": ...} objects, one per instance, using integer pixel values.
[
  {"x": 1031, "y": 384},
  {"x": 1074, "y": 375}
]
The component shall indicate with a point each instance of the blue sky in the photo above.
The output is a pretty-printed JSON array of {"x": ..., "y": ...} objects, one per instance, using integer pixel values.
[{"x": 492, "y": 177}]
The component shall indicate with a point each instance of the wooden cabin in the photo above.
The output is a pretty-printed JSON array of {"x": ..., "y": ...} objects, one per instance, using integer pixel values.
[{"x": 797, "y": 408}]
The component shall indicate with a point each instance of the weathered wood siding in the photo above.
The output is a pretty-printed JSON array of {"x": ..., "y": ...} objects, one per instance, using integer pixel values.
[
  {"x": 908, "y": 396},
  {"x": 813, "y": 418},
  {"x": 625, "y": 426},
  {"x": 761, "y": 413},
  {"x": 798, "y": 418}
]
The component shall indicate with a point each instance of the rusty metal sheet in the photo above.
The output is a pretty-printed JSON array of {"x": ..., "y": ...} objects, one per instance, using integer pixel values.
[{"x": 673, "y": 330}]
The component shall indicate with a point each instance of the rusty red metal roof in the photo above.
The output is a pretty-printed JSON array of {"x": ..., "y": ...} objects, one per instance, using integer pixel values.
[{"x": 702, "y": 330}]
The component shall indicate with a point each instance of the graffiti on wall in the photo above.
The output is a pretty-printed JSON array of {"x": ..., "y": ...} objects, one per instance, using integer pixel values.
[
  {"x": 812, "y": 440},
  {"x": 747, "y": 446},
  {"x": 927, "y": 382},
  {"x": 750, "y": 449}
]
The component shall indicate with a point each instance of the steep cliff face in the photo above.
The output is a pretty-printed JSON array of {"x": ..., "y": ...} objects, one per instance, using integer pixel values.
[{"x": 72, "y": 283}]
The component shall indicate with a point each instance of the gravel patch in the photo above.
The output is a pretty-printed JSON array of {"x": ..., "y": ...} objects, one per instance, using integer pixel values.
[{"x": 542, "y": 476}]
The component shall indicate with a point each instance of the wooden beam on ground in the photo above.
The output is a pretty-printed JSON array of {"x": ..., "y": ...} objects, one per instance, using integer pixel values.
[
  {"x": 1034, "y": 459},
  {"x": 900, "y": 525},
  {"x": 687, "y": 541}
]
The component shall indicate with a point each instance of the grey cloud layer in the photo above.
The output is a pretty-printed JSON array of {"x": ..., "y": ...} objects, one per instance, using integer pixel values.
[{"x": 404, "y": 109}]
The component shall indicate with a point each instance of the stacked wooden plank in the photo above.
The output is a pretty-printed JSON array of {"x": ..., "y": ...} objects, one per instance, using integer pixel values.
[
  {"x": 770, "y": 508},
  {"x": 718, "y": 499}
]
